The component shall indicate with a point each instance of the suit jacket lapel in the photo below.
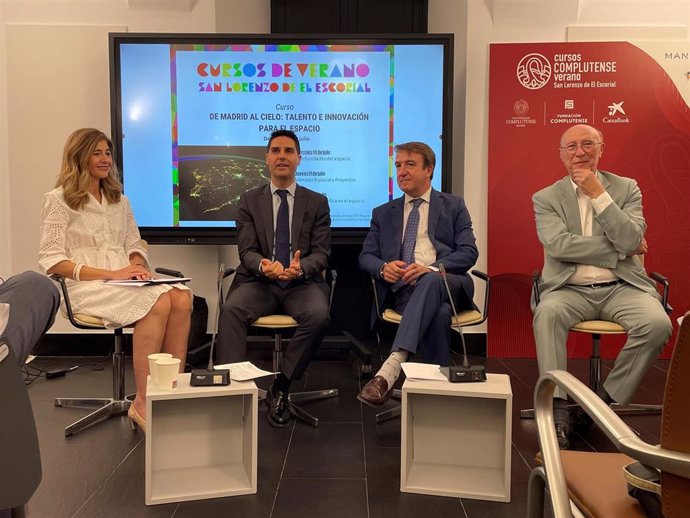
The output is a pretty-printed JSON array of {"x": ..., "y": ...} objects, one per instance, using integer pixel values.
[
  {"x": 266, "y": 213},
  {"x": 570, "y": 207},
  {"x": 298, "y": 210},
  {"x": 396, "y": 215},
  {"x": 596, "y": 227},
  {"x": 434, "y": 214}
]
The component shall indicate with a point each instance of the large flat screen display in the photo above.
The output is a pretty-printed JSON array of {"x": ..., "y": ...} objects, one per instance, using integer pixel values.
[{"x": 192, "y": 115}]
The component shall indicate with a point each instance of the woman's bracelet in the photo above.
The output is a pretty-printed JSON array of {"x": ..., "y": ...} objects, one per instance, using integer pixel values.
[{"x": 77, "y": 271}]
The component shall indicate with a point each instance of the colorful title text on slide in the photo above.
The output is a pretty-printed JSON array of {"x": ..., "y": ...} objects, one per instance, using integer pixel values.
[{"x": 334, "y": 101}]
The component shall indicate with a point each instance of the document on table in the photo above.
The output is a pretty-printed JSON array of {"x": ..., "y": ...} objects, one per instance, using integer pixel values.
[
  {"x": 148, "y": 282},
  {"x": 244, "y": 371},
  {"x": 423, "y": 371}
]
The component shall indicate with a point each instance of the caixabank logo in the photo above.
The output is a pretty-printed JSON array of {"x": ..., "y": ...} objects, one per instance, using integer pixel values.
[
  {"x": 534, "y": 71},
  {"x": 615, "y": 114}
]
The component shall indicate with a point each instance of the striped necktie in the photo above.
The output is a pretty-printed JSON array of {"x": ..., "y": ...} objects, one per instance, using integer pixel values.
[{"x": 410, "y": 237}]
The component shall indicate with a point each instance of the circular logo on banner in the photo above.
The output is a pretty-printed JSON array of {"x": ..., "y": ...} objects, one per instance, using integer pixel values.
[
  {"x": 521, "y": 107},
  {"x": 533, "y": 71}
]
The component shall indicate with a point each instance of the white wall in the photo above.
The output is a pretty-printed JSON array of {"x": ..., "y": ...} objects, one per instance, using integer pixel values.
[
  {"x": 5, "y": 242},
  {"x": 54, "y": 79}
]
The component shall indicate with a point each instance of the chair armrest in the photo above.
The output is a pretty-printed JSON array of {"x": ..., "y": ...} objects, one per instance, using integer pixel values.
[
  {"x": 622, "y": 437},
  {"x": 487, "y": 292},
  {"x": 379, "y": 311},
  {"x": 536, "y": 277},
  {"x": 663, "y": 281},
  {"x": 169, "y": 272},
  {"x": 480, "y": 274},
  {"x": 333, "y": 273},
  {"x": 68, "y": 305}
]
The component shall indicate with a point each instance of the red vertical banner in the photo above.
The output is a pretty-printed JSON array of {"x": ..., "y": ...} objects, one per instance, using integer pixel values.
[{"x": 638, "y": 96}]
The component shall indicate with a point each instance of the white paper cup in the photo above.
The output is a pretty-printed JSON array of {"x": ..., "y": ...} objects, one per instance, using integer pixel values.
[
  {"x": 152, "y": 364},
  {"x": 167, "y": 370}
]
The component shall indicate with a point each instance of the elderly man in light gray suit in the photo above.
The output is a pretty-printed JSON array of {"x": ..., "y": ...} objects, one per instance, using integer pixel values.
[{"x": 592, "y": 229}]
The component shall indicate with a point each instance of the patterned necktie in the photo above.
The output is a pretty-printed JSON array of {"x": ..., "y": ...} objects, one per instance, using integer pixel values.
[
  {"x": 283, "y": 230},
  {"x": 410, "y": 237}
]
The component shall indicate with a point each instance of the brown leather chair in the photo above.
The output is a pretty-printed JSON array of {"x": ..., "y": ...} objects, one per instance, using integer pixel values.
[{"x": 593, "y": 482}]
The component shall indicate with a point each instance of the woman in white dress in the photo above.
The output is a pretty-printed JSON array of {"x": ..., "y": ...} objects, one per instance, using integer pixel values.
[{"x": 88, "y": 236}]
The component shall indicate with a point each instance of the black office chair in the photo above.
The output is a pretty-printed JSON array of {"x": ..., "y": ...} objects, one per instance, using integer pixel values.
[
  {"x": 20, "y": 457},
  {"x": 277, "y": 323},
  {"x": 597, "y": 328},
  {"x": 466, "y": 318},
  {"x": 116, "y": 405},
  {"x": 113, "y": 406}
]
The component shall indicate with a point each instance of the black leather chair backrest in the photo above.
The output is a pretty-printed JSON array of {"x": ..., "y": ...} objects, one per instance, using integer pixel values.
[{"x": 20, "y": 459}]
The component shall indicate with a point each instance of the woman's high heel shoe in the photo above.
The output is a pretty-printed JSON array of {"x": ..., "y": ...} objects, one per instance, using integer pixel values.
[{"x": 136, "y": 419}]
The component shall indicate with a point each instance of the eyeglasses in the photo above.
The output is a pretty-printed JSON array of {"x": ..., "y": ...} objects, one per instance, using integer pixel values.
[{"x": 586, "y": 145}]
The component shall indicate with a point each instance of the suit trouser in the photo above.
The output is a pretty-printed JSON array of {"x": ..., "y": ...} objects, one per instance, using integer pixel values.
[
  {"x": 33, "y": 300},
  {"x": 638, "y": 312},
  {"x": 307, "y": 303},
  {"x": 426, "y": 315}
]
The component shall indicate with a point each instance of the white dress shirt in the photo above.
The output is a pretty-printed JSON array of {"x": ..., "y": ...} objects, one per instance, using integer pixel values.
[
  {"x": 424, "y": 251},
  {"x": 587, "y": 273}
]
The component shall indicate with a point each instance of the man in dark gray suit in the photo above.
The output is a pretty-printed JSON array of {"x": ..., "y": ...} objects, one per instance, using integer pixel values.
[
  {"x": 284, "y": 242},
  {"x": 592, "y": 229}
]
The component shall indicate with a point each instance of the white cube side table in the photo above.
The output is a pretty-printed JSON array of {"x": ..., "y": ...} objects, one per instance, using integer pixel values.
[
  {"x": 456, "y": 438},
  {"x": 201, "y": 441}
]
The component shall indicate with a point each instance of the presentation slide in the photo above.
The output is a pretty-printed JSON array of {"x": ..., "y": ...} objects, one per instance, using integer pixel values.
[{"x": 196, "y": 120}]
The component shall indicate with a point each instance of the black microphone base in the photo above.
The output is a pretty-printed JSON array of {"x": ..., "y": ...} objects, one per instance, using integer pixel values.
[
  {"x": 209, "y": 378},
  {"x": 460, "y": 374}
]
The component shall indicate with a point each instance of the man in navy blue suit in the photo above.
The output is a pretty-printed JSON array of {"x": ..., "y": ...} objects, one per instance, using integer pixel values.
[{"x": 408, "y": 239}]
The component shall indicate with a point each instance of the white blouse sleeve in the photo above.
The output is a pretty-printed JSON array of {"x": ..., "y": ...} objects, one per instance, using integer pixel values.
[
  {"x": 133, "y": 242},
  {"x": 54, "y": 218}
]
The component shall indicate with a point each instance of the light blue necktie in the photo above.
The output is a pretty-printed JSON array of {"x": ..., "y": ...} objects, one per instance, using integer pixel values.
[{"x": 410, "y": 237}]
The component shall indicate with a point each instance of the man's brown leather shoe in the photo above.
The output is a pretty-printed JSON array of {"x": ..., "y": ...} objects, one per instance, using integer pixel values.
[{"x": 376, "y": 392}]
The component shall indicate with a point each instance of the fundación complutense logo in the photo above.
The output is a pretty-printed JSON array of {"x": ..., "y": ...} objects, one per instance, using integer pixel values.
[
  {"x": 616, "y": 114},
  {"x": 533, "y": 71},
  {"x": 521, "y": 119},
  {"x": 569, "y": 116}
]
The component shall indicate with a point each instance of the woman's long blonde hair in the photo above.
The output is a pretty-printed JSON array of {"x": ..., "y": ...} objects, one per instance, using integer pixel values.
[{"x": 74, "y": 177}]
